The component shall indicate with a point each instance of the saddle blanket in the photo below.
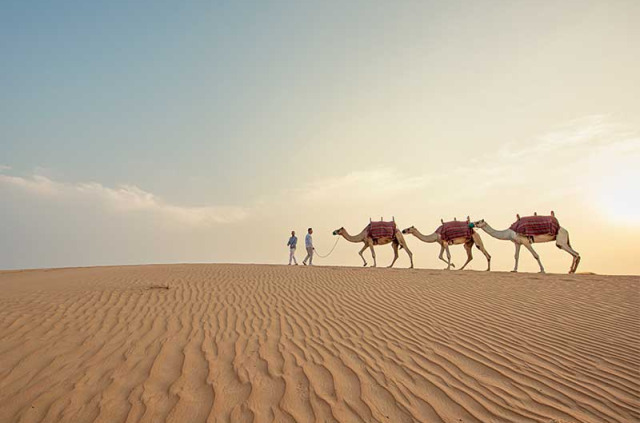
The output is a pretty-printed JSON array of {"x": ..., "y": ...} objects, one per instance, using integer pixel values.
[
  {"x": 454, "y": 229},
  {"x": 379, "y": 230},
  {"x": 536, "y": 225}
]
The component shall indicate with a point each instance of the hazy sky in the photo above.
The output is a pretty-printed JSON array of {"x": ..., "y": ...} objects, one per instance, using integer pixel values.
[{"x": 152, "y": 131}]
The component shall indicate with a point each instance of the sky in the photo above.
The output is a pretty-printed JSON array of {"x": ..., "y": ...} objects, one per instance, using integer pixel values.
[{"x": 202, "y": 131}]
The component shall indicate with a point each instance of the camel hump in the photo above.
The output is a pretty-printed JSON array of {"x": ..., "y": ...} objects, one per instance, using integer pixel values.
[
  {"x": 553, "y": 214},
  {"x": 518, "y": 216},
  {"x": 535, "y": 213}
]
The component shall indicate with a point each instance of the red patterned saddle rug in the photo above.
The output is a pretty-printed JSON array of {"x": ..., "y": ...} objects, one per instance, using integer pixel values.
[
  {"x": 536, "y": 225},
  {"x": 448, "y": 231},
  {"x": 379, "y": 230}
]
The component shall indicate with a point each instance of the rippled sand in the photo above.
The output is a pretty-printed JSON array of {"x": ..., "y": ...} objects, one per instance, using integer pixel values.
[{"x": 242, "y": 343}]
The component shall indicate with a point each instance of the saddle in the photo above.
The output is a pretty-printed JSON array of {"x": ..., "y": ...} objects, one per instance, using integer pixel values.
[
  {"x": 531, "y": 226},
  {"x": 381, "y": 229},
  {"x": 449, "y": 231}
]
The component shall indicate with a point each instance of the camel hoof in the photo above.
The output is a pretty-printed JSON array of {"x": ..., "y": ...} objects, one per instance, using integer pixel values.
[{"x": 514, "y": 271}]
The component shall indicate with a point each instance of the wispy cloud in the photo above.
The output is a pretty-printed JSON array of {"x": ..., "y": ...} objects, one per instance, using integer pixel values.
[
  {"x": 362, "y": 185},
  {"x": 4, "y": 167},
  {"x": 561, "y": 156},
  {"x": 124, "y": 199},
  {"x": 554, "y": 157},
  {"x": 585, "y": 132},
  {"x": 36, "y": 184},
  {"x": 558, "y": 161}
]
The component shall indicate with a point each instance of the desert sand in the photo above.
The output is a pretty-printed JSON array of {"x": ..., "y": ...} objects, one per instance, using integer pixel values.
[{"x": 241, "y": 343}]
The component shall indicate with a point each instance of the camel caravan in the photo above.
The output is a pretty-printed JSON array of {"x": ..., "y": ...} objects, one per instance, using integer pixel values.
[{"x": 524, "y": 231}]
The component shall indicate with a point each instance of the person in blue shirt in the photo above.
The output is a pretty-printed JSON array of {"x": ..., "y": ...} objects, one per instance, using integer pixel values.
[
  {"x": 308, "y": 242},
  {"x": 293, "y": 241}
]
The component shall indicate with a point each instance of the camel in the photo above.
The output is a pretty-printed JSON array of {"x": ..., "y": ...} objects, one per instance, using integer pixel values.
[
  {"x": 467, "y": 241},
  {"x": 396, "y": 241},
  {"x": 561, "y": 239}
]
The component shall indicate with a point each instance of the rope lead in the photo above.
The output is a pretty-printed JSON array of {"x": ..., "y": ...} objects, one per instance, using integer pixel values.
[{"x": 333, "y": 248}]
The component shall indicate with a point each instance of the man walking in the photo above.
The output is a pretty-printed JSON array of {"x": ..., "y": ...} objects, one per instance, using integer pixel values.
[
  {"x": 308, "y": 242},
  {"x": 293, "y": 241}
]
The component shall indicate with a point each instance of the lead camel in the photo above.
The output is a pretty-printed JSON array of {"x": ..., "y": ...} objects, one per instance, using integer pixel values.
[{"x": 378, "y": 233}]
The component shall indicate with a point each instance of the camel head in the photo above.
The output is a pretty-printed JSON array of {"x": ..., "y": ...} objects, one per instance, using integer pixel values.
[
  {"x": 409, "y": 230},
  {"x": 339, "y": 231},
  {"x": 478, "y": 224}
]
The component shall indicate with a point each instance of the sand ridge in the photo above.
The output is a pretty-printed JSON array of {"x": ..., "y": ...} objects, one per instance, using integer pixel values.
[{"x": 242, "y": 343}]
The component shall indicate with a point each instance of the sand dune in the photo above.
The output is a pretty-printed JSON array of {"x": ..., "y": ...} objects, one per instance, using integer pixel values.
[{"x": 242, "y": 343}]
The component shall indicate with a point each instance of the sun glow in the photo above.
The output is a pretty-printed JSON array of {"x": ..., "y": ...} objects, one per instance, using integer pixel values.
[{"x": 618, "y": 192}]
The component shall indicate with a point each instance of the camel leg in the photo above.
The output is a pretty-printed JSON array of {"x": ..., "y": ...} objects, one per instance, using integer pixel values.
[
  {"x": 441, "y": 252},
  {"x": 529, "y": 247},
  {"x": 373, "y": 254},
  {"x": 468, "y": 247},
  {"x": 575, "y": 263},
  {"x": 562, "y": 242},
  {"x": 395, "y": 253},
  {"x": 404, "y": 245},
  {"x": 448, "y": 256},
  {"x": 517, "y": 256},
  {"x": 476, "y": 238},
  {"x": 361, "y": 251},
  {"x": 444, "y": 247}
]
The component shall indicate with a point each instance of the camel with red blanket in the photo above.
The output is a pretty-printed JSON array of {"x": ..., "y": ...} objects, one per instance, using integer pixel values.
[
  {"x": 378, "y": 233},
  {"x": 532, "y": 229},
  {"x": 453, "y": 233}
]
